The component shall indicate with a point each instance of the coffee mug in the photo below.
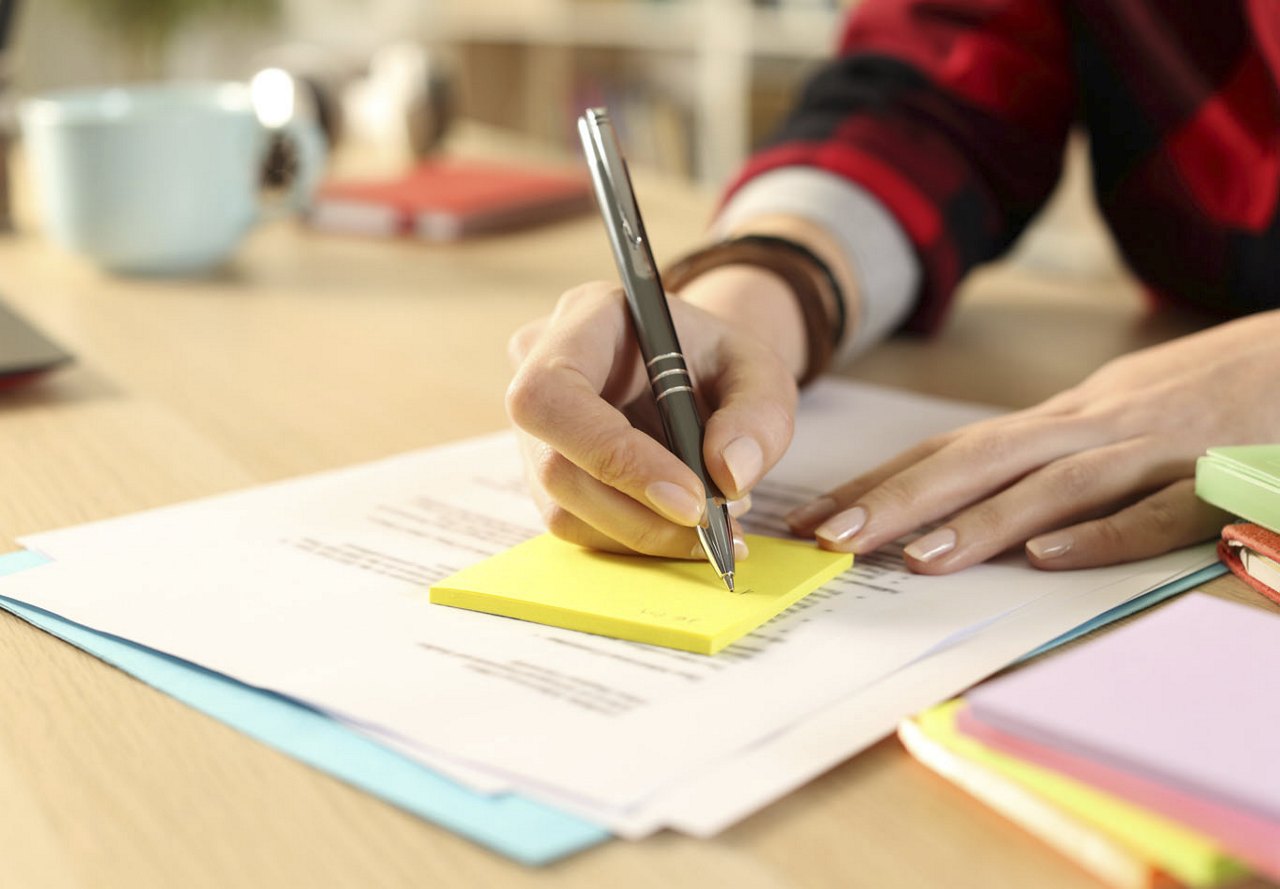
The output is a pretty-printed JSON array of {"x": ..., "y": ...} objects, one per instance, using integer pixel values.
[{"x": 157, "y": 179}]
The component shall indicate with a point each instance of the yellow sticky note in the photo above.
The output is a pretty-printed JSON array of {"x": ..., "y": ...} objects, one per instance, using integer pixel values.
[
  {"x": 1191, "y": 857},
  {"x": 676, "y": 603}
]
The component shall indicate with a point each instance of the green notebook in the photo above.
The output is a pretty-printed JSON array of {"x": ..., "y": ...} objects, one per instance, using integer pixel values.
[{"x": 1244, "y": 480}]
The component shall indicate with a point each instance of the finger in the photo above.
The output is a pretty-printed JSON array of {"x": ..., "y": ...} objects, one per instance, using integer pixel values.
[
  {"x": 556, "y": 397},
  {"x": 968, "y": 469},
  {"x": 570, "y": 528},
  {"x": 1171, "y": 518},
  {"x": 805, "y": 519},
  {"x": 1090, "y": 483},
  {"x": 568, "y": 497},
  {"x": 754, "y": 416}
]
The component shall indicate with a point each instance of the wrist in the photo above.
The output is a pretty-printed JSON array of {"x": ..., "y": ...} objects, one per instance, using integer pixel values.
[
  {"x": 756, "y": 301},
  {"x": 814, "y": 291}
]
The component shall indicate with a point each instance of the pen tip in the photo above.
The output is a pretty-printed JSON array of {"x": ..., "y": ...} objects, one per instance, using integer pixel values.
[{"x": 728, "y": 581}]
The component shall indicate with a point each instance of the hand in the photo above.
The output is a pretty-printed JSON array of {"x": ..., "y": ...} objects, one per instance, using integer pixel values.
[
  {"x": 589, "y": 435},
  {"x": 1100, "y": 474}
]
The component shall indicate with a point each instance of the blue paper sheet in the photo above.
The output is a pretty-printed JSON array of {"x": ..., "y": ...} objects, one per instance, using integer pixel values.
[
  {"x": 1133, "y": 606},
  {"x": 519, "y": 828}
]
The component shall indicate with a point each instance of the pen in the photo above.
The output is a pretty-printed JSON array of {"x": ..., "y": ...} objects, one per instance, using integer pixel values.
[{"x": 664, "y": 361}]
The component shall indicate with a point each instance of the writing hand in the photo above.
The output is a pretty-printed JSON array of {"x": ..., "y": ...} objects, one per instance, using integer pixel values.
[{"x": 594, "y": 457}]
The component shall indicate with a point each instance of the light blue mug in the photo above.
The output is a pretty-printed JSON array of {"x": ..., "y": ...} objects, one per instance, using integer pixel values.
[{"x": 157, "y": 179}]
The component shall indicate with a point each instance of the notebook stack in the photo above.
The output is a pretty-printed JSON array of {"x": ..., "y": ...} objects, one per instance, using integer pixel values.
[
  {"x": 1245, "y": 481},
  {"x": 1147, "y": 756}
]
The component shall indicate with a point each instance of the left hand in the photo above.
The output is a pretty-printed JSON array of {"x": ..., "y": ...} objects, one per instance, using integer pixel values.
[{"x": 1099, "y": 474}]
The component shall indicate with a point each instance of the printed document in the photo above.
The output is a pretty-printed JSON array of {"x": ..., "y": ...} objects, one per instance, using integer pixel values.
[{"x": 316, "y": 588}]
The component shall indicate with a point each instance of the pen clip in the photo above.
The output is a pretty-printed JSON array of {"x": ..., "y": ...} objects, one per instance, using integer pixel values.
[{"x": 613, "y": 190}]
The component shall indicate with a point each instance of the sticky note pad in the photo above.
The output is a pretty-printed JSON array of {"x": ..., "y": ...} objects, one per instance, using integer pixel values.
[{"x": 675, "y": 603}]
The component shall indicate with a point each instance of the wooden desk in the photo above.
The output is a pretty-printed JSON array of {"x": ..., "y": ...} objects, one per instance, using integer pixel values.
[{"x": 317, "y": 351}]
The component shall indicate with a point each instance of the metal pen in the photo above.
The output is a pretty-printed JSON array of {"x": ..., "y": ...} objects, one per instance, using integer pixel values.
[{"x": 664, "y": 361}]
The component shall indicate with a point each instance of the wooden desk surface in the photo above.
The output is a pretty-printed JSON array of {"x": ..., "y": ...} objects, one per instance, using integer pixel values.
[{"x": 315, "y": 351}]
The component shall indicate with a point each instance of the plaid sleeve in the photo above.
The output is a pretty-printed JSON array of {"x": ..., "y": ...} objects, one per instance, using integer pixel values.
[{"x": 952, "y": 113}]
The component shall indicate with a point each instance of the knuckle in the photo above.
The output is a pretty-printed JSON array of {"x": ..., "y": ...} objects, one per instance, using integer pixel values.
[
  {"x": 560, "y": 522},
  {"x": 987, "y": 522},
  {"x": 616, "y": 465},
  {"x": 552, "y": 471},
  {"x": 522, "y": 341},
  {"x": 988, "y": 448},
  {"x": 779, "y": 419},
  {"x": 649, "y": 540},
  {"x": 1162, "y": 517},
  {"x": 897, "y": 493},
  {"x": 524, "y": 398},
  {"x": 1071, "y": 479},
  {"x": 588, "y": 297},
  {"x": 1108, "y": 535}
]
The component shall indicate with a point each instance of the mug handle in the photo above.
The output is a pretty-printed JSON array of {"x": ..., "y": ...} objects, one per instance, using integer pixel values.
[{"x": 311, "y": 151}]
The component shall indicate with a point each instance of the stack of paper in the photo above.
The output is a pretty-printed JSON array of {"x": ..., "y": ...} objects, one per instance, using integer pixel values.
[
  {"x": 1159, "y": 735},
  {"x": 316, "y": 589},
  {"x": 1122, "y": 844}
]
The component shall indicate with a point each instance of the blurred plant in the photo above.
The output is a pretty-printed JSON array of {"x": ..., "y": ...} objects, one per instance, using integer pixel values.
[{"x": 145, "y": 27}]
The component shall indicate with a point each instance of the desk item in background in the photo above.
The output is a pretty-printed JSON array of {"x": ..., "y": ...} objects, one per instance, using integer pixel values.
[
  {"x": 25, "y": 353},
  {"x": 1244, "y": 480},
  {"x": 655, "y": 332},
  {"x": 1176, "y": 712},
  {"x": 1253, "y": 554},
  {"x": 669, "y": 602},
  {"x": 156, "y": 179},
  {"x": 7, "y": 9},
  {"x": 444, "y": 200},
  {"x": 406, "y": 102},
  {"x": 1120, "y": 843}
]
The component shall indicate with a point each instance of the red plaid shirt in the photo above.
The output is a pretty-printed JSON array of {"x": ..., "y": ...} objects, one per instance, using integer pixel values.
[{"x": 954, "y": 114}]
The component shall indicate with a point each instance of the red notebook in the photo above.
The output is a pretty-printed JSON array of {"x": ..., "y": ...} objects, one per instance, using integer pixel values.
[
  {"x": 1253, "y": 553},
  {"x": 449, "y": 199}
]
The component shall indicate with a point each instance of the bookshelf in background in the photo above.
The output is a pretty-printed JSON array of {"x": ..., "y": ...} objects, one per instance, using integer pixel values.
[{"x": 694, "y": 83}]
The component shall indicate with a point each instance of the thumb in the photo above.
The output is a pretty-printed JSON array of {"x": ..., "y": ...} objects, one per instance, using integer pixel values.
[{"x": 755, "y": 398}]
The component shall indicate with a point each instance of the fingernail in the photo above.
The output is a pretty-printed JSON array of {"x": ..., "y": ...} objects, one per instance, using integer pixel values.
[
  {"x": 840, "y": 528},
  {"x": 741, "y": 506},
  {"x": 813, "y": 511},
  {"x": 931, "y": 545},
  {"x": 744, "y": 460},
  {"x": 1050, "y": 546},
  {"x": 675, "y": 502}
]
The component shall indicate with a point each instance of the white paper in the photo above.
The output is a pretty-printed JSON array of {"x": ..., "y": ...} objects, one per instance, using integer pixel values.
[{"x": 317, "y": 588}]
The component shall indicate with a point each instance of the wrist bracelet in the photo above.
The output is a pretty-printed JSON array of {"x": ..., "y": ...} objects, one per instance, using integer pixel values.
[{"x": 810, "y": 280}]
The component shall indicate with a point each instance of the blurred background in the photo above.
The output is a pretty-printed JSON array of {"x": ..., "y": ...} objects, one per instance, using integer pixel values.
[{"x": 695, "y": 84}]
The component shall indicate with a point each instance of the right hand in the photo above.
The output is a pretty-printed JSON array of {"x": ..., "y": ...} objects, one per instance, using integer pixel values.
[{"x": 589, "y": 433}]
